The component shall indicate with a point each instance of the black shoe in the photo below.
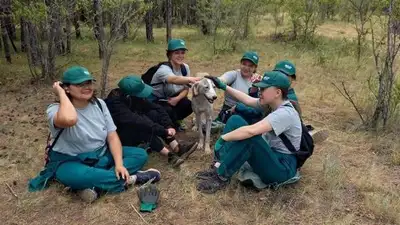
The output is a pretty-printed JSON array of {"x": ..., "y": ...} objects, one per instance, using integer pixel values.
[
  {"x": 213, "y": 184},
  {"x": 206, "y": 174},
  {"x": 174, "y": 160},
  {"x": 185, "y": 150},
  {"x": 145, "y": 176}
]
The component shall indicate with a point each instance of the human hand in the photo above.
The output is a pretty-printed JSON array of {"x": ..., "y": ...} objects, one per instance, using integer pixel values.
[
  {"x": 217, "y": 82},
  {"x": 193, "y": 80},
  {"x": 256, "y": 78},
  {"x": 173, "y": 101},
  {"x": 122, "y": 172},
  {"x": 171, "y": 132},
  {"x": 57, "y": 88}
]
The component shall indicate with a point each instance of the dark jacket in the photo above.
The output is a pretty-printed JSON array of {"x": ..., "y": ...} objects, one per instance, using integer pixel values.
[{"x": 129, "y": 113}]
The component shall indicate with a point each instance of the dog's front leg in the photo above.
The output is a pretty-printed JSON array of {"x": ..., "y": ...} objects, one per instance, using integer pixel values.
[
  {"x": 207, "y": 148},
  {"x": 200, "y": 130}
]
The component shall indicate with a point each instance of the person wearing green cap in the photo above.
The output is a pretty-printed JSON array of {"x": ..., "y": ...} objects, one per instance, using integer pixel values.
[
  {"x": 258, "y": 144},
  {"x": 241, "y": 79},
  {"x": 171, "y": 84},
  {"x": 289, "y": 69},
  {"x": 86, "y": 153},
  {"x": 140, "y": 121}
]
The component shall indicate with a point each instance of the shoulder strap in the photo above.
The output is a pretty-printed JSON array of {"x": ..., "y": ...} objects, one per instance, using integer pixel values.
[
  {"x": 287, "y": 142},
  {"x": 98, "y": 104},
  {"x": 183, "y": 70},
  {"x": 56, "y": 139},
  {"x": 285, "y": 139}
]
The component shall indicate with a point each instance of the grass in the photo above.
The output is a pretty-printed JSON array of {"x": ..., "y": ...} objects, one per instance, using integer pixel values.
[{"x": 351, "y": 179}]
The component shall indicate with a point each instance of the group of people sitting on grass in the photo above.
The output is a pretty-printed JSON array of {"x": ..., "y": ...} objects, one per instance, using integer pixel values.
[{"x": 100, "y": 146}]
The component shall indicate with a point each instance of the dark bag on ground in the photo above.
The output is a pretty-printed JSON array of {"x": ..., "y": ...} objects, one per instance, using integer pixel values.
[{"x": 148, "y": 75}]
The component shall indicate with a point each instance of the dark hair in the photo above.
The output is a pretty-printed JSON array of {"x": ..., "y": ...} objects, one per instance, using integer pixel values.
[
  {"x": 169, "y": 53},
  {"x": 285, "y": 92}
]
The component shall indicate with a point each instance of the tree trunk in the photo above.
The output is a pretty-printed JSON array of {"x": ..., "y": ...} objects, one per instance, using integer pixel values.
[
  {"x": 76, "y": 25},
  {"x": 99, "y": 26},
  {"x": 148, "y": 18},
  {"x": 49, "y": 62},
  {"x": 125, "y": 31},
  {"x": 169, "y": 18},
  {"x": 23, "y": 39},
  {"x": 4, "y": 36},
  {"x": 70, "y": 5},
  {"x": 104, "y": 71}
]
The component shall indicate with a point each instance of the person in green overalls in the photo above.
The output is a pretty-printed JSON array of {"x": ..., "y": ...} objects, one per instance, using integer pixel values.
[
  {"x": 86, "y": 154},
  {"x": 258, "y": 144}
]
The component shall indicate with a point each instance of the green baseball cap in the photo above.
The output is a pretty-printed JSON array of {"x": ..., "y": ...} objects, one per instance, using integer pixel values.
[
  {"x": 273, "y": 79},
  {"x": 251, "y": 56},
  {"x": 176, "y": 44},
  {"x": 133, "y": 85},
  {"x": 76, "y": 75},
  {"x": 286, "y": 67}
]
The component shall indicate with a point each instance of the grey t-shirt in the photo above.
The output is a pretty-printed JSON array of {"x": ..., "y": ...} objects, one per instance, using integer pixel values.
[
  {"x": 166, "y": 90},
  {"x": 87, "y": 135},
  {"x": 235, "y": 80},
  {"x": 284, "y": 119}
]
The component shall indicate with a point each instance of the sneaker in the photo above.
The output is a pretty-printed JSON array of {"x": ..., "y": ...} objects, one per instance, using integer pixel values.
[
  {"x": 144, "y": 176},
  {"x": 213, "y": 184},
  {"x": 185, "y": 150},
  {"x": 88, "y": 195},
  {"x": 206, "y": 174},
  {"x": 320, "y": 136},
  {"x": 175, "y": 160}
]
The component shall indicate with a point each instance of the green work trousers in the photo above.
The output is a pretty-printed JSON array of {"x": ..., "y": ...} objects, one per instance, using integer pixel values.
[
  {"x": 271, "y": 166},
  {"x": 98, "y": 172}
]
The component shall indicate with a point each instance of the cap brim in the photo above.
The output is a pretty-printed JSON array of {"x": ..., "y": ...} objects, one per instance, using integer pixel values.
[
  {"x": 178, "y": 48},
  {"x": 250, "y": 59},
  {"x": 146, "y": 92},
  {"x": 84, "y": 79},
  {"x": 261, "y": 85}
]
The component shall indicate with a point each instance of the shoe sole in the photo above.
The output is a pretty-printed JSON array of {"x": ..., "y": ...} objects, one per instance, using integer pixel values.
[
  {"x": 88, "y": 195},
  {"x": 154, "y": 170},
  {"x": 191, "y": 150},
  {"x": 320, "y": 136}
]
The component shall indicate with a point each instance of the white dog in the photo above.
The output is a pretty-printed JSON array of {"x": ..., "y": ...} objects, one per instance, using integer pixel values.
[{"x": 202, "y": 104}]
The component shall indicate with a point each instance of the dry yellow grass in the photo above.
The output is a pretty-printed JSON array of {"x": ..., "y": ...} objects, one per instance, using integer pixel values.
[{"x": 349, "y": 180}]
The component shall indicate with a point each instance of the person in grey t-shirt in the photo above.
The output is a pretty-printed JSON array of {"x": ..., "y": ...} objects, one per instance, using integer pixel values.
[
  {"x": 258, "y": 144},
  {"x": 241, "y": 80},
  {"x": 170, "y": 86},
  {"x": 87, "y": 155}
]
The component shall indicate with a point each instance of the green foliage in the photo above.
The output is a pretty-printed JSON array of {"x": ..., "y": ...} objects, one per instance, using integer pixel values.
[
  {"x": 304, "y": 18},
  {"x": 34, "y": 11}
]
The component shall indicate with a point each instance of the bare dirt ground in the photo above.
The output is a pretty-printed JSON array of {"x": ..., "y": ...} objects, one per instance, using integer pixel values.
[{"x": 349, "y": 180}]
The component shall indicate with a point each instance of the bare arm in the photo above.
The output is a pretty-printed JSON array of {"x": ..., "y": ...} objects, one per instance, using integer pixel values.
[
  {"x": 115, "y": 147},
  {"x": 181, "y": 80},
  {"x": 242, "y": 97},
  {"x": 66, "y": 115},
  {"x": 183, "y": 94},
  {"x": 249, "y": 131}
]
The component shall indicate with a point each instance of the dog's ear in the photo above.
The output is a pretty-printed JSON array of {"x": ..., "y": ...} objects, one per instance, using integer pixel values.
[{"x": 195, "y": 89}]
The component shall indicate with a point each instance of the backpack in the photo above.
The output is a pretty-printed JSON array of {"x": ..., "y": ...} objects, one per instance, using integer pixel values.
[
  {"x": 148, "y": 75},
  {"x": 49, "y": 147},
  {"x": 306, "y": 145}
]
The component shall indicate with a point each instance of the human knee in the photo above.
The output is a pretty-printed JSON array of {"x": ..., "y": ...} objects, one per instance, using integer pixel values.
[
  {"x": 134, "y": 152},
  {"x": 236, "y": 121}
]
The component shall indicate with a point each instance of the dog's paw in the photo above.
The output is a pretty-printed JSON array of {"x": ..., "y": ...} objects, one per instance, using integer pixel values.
[
  {"x": 194, "y": 128},
  {"x": 207, "y": 150}
]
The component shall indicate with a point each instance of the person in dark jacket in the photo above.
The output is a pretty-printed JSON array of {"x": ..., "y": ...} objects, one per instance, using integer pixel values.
[{"x": 140, "y": 121}]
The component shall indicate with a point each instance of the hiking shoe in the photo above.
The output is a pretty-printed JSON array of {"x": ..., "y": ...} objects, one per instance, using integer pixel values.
[
  {"x": 185, "y": 150},
  {"x": 206, "y": 174},
  {"x": 181, "y": 126},
  {"x": 320, "y": 136},
  {"x": 175, "y": 160},
  {"x": 144, "y": 176},
  {"x": 213, "y": 184},
  {"x": 88, "y": 195}
]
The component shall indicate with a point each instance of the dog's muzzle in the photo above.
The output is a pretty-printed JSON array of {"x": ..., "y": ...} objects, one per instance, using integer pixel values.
[{"x": 211, "y": 100}]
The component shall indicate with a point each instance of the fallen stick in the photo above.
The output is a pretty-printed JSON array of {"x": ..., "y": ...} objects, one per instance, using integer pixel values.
[
  {"x": 11, "y": 190},
  {"x": 139, "y": 214}
]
